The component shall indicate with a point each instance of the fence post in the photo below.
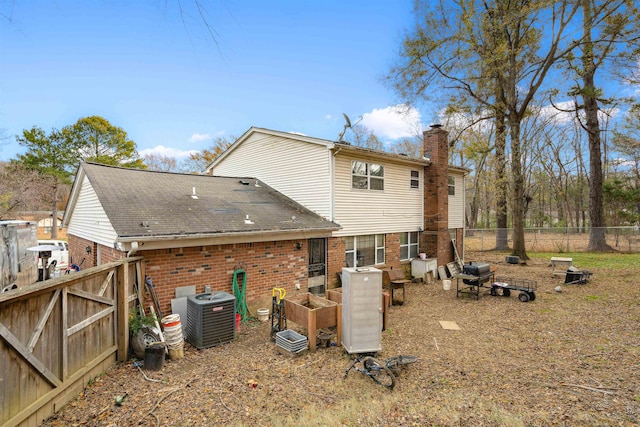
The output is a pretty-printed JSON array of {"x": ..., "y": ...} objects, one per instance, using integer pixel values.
[{"x": 122, "y": 276}]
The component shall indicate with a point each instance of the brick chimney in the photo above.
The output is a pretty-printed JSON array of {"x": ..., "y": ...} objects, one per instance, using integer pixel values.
[{"x": 436, "y": 239}]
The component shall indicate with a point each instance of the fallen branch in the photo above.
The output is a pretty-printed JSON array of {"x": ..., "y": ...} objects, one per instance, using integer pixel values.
[
  {"x": 170, "y": 392},
  {"x": 307, "y": 364},
  {"x": 604, "y": 390},
  {"x": 434, "y": 340},
  {"x": 222, "y": 401},
  {"x": 595, "y": 354},
  {"x": 321, "y": 395}
]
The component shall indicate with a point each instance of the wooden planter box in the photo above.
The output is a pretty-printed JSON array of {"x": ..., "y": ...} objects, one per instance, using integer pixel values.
[
  {"x": 335, "y": 295},
  {"x": 313, "y": 312}
]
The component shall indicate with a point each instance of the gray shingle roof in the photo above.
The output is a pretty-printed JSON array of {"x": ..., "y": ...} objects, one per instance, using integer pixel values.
[{"x": 148, "y": 203}]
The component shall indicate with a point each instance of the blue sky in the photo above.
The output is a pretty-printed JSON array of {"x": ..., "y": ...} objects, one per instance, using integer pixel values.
[{"x": 285, "y": 65}]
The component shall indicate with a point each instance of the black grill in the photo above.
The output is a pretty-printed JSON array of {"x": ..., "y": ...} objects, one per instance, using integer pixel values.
[{"x": 479, "y": 269}]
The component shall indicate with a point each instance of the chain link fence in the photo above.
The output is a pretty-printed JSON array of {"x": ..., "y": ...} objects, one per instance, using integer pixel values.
[{"x": 623, "y": 239}]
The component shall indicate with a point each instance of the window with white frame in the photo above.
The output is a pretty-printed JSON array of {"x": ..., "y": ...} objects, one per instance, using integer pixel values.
[
  {"x": 452, "y": 185},
  {"x": 408, "y": 245},
  {"x": 415, "y": 179},
  {"x": 367, "y": 176},
  {"x": 364, "y": 250}
]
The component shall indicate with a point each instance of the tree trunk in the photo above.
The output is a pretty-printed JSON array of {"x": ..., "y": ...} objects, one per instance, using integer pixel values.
[
  {"x": 502, "y": 243},
  {"x": 518, "y": 207},
  {"x": 54, "y": 213},
  {"x": 597, "y": 237}
]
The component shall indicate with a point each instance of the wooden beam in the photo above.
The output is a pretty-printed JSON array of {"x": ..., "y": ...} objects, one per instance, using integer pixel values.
[
  {"x": 106, "y": 283},
  {"x": 122, "y": 319},
  {"x": 65, "y": 338},
  {"x": 28, "y": 356},
  {"x": 90, "y": 296},
  {"x": 48, "y": 397},
  {"x": 89, "y": 320},
  {"x": 65, "y": 280},
  {"x": 139, "y": 281},
  {"x": 35, "y": 336}
]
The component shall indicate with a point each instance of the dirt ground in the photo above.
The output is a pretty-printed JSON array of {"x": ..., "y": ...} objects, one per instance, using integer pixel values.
[{"x": 569, "y": 358}]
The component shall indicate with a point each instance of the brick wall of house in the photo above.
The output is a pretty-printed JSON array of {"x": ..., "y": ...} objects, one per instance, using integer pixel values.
[
  {"x": 78, "y": 252},
  {"x": 85, "y": 252},
  {"x": 336, "y": 248},
  {"x": 267, "y": 265},
  {"x": 107, "y": 254}
]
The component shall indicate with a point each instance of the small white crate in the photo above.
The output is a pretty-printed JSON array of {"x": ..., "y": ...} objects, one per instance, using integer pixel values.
[{"x": 291, "y": 340}]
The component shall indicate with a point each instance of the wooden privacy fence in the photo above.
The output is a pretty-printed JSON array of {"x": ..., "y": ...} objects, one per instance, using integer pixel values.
[{"x": 57, "y": 335}]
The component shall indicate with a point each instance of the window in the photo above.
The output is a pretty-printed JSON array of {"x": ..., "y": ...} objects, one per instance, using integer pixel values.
[
  {"x": 452, "y": 185},
  {"x": 415, "y": 179},
  {"x": 367, "y": 176},
  {"x": 408, "y": 245},
  {"x": 364, "y": 250}
]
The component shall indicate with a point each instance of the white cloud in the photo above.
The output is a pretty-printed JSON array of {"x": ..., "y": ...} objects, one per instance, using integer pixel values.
[
  {"x": 161, "y": 150},
  {"x": 563, "y": 113},
  {"x": 198, "y": 137},
  {"x": 395, "y": 121}
]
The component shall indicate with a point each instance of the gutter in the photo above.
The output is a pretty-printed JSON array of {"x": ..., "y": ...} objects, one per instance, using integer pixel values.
[{"x": 134, "y": 240}]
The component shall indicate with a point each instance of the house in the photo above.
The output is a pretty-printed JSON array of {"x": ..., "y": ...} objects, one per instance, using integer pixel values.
[
  {"x": 390, "y": 207},
  {"x": 192, "y": 229},
  {"x": 45, "y": 223}
]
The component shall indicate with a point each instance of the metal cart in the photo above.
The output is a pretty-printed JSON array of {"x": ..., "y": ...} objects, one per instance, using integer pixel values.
[{"x": 504, "y": 285}]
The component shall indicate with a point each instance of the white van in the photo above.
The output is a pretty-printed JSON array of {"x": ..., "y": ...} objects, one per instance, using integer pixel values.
[{"x": 61, "y": 257}]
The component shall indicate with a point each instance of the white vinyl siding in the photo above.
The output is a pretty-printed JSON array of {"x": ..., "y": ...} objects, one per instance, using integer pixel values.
[
  {"x": 397, "y": 208},
  {"x": 298, "y": 169},
  {"x": 89, "y": 220},
  {"x": 456, "y": 204}
]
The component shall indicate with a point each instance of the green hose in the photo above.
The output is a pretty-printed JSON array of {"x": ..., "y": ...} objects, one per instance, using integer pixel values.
[{"x": 240, "y": 294}]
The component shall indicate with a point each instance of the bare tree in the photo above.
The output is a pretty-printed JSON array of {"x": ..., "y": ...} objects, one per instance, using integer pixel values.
[
  {"x": 23, "y": 189},
  {"x": 160, "y": 163},
  {"x": 495, "y": 53}
]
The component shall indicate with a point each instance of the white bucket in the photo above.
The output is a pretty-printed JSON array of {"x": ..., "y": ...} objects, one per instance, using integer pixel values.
[
  {"x": 446, "y": 284},
  {"x": 173, "y": 331},
  {"x": 423, "y": 256},
  {"x": 263, "y": 314}
]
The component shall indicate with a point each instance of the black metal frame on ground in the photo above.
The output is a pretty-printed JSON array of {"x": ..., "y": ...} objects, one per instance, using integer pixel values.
[
  {"x": 504, "y": 285},
  {"x": 577, "y": 277},
  {"x": 471, "y": 284},
  {"x": 383, "y": 374},
  {"x": 372, "y": 368}
]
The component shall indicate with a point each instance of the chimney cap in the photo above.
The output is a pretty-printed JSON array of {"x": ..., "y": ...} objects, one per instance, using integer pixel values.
[{"x": 435, "y": 126}]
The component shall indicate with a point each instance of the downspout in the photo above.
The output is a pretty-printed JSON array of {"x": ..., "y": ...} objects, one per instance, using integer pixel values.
[
  {"x": 332, "y": 178},
  {"x": 464, "y": 213},
  {"x": 133, "y": 250}
]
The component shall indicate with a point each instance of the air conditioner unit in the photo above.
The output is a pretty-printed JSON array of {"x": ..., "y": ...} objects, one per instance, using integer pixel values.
[
  {"x": 211, "y": 319},
  {"x": 362, "y": 310}
]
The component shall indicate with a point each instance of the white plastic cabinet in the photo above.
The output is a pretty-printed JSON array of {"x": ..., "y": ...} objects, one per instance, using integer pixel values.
[
  {"x": 419, "y": 268},
  {"x": 362, "y": 310}
]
